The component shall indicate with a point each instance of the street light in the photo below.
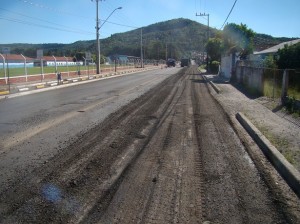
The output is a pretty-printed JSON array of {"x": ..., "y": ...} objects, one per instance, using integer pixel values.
[
  {"x": 109, "y": 16},
  {"x": 97, "y": 32}
]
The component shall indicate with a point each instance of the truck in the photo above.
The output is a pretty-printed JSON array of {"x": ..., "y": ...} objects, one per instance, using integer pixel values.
[
  {"x": 185, "y": 62},
  {"x": 171, "y": 62}
]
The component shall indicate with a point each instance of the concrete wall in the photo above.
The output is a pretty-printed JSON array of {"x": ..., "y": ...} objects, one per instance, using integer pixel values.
[
  {"x": 226, "y": 66},
  {"x": 250, "y": 77}
]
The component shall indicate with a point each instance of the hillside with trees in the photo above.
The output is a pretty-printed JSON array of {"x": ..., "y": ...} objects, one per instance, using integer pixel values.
[{"x": 175, "y": 38}]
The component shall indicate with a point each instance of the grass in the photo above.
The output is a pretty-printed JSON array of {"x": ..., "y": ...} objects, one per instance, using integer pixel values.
[
  {"x": 47, "y": 69},
  {"x": 294, "y": 92},
  {"x": 281, "y": 144},
  {"x": 271, "y": 90},
  {"x": 290, "y": 157},
  {"x": 202, "y": 68}
]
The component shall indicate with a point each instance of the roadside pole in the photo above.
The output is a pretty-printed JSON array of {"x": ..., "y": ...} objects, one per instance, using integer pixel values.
[
  {"x": 6, "y": 51},
  {"x": 25, "y": 67},
  {"x": 55, "y": 64},
  {"x": 39, "y": 55},
  {"x": 285, "y": 83},
  {"x": 67, "y": 65},
  {"x": 7, "y": 74},
  {"x": 4, "y": 69}
]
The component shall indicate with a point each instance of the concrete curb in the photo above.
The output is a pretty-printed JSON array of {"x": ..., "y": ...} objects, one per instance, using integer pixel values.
[
  {"x": 286, "y": 170},
  {"x": 5, "y": 92},
  {"x": 216, "y": 88}
]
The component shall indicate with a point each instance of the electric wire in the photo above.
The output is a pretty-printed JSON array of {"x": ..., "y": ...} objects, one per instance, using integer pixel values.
[
  {"x": 228, "y": 14},
  {"x": 42, "y": 20},
  {"x": 45, "y": 26},
  {"x": 64, "y": 12}
]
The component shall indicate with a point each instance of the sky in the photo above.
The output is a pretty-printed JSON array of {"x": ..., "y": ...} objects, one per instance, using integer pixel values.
[{"x": 68, "y": 21}]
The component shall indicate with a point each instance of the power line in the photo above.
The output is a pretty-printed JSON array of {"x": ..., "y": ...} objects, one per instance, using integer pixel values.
[
  {"x": 45, "y": 26},
  {"x": 68, "y": 13},
  {"x": 228, "y": 14},
  {"x": 120, "y": 16},
  {"x": 41, "y": 6},
  {"x": 42, "y": 20}
]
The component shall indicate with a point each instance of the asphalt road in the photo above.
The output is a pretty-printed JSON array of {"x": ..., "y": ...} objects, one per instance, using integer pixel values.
[
  {"x": 153, "y": 147},
  {"x": 35, "y": 127}
]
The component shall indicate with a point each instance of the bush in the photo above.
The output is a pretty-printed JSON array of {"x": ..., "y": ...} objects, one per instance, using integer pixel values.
[
  {"x": 289, "y": 57},
  {"x": 214, "y": 67},
  {"x": 270, "y": 62}
]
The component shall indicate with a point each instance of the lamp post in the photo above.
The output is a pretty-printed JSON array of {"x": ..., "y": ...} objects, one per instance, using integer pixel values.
[
  {"x": 25, "y": 66},
  {"x": 67, "y": 65},
  {"x": 109, "y": 16},
  {"x": 97, "y": 33},
  {"x": 142, "y": 59},
  {"x": 4, "y": 69},
  {"x": 55, "y": 63}
]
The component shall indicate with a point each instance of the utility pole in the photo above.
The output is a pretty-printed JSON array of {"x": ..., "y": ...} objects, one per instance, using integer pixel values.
[
  {"x": 98, "y": 56},
  {"x": 166, "y": 51},
  {"x": 98, "y": 40},
  {"x": 204, "y": 14},
  {"x": 97, "y": 37},
  {"x": 142, "y": 59}
]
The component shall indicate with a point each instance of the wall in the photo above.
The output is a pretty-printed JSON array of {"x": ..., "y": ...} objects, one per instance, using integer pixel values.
[
  {"x": 250, "y": 77},
  {"x": 226, "y": 66}
]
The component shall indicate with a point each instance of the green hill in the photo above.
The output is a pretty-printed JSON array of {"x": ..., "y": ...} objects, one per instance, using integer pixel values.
[{"x": 177, "y": 38}]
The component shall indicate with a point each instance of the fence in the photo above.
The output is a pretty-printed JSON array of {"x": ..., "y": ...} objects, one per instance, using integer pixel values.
[
  {"x": 17, "y": 68},
  {"x": 268, "y": 82}
]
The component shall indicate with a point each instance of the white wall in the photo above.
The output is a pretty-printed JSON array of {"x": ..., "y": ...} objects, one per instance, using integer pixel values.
[
  {"x": 63, "y": 63},
  {"x": 226, "y": 66}
]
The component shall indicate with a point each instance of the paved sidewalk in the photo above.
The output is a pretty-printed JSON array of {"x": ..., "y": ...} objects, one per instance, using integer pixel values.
[
  {"x": 37, "y": 85},
  {"x": 281, "y": 130}
]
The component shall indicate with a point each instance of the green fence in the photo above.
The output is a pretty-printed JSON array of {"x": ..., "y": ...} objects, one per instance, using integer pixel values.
[
  {"x": 294, "y": 84},
  {"x": 38, "y": 70},
  {"x": 272, "y": 82}
]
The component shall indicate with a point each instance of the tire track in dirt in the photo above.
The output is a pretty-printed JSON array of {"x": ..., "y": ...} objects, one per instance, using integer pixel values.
[
  {"x": 170, "y": 156},
  {"x": 125, "y": 128},
  {"x": 162, "y": 185},
  {"x": 233, "y": 189}
]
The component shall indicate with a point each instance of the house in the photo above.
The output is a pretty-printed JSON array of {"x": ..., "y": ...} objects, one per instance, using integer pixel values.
[
  {"x": 123, "y": 59},
  {"x": 56, "y": 61},
  {"x": 272, "y": 50}
]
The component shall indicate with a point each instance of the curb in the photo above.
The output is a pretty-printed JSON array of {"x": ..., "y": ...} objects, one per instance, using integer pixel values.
[
  {"x": 286, "y": 170},
  {"x": 216, "y": 88},
  {"x": 5, "y": 92}
]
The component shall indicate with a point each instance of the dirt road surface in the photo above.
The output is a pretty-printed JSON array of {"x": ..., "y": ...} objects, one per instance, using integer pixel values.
[{"x": 170, "y": 156}]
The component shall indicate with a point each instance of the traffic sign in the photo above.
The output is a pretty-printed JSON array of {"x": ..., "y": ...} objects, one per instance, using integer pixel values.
[
  {"x": 39, "y": 54},
  {"x": 88, "y": 55},
  {"x": 6, "y": 50}
]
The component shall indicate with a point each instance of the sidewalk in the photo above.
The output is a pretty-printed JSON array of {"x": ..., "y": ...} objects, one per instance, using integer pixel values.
[
  {"x": 35, "y": 85},
  {"x": 282, "y": 130}
]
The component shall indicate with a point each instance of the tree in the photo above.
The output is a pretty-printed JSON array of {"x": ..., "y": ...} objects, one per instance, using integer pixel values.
[
  {"x": 270, "y": 62},
  {"x": 238, "y": 38},
  {"x": 289, "y": 57},
  {"x": 213, "y": 48}
]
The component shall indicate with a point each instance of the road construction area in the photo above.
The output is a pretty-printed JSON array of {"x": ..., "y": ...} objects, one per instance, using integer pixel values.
[{"x": 160, "y": 151}]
